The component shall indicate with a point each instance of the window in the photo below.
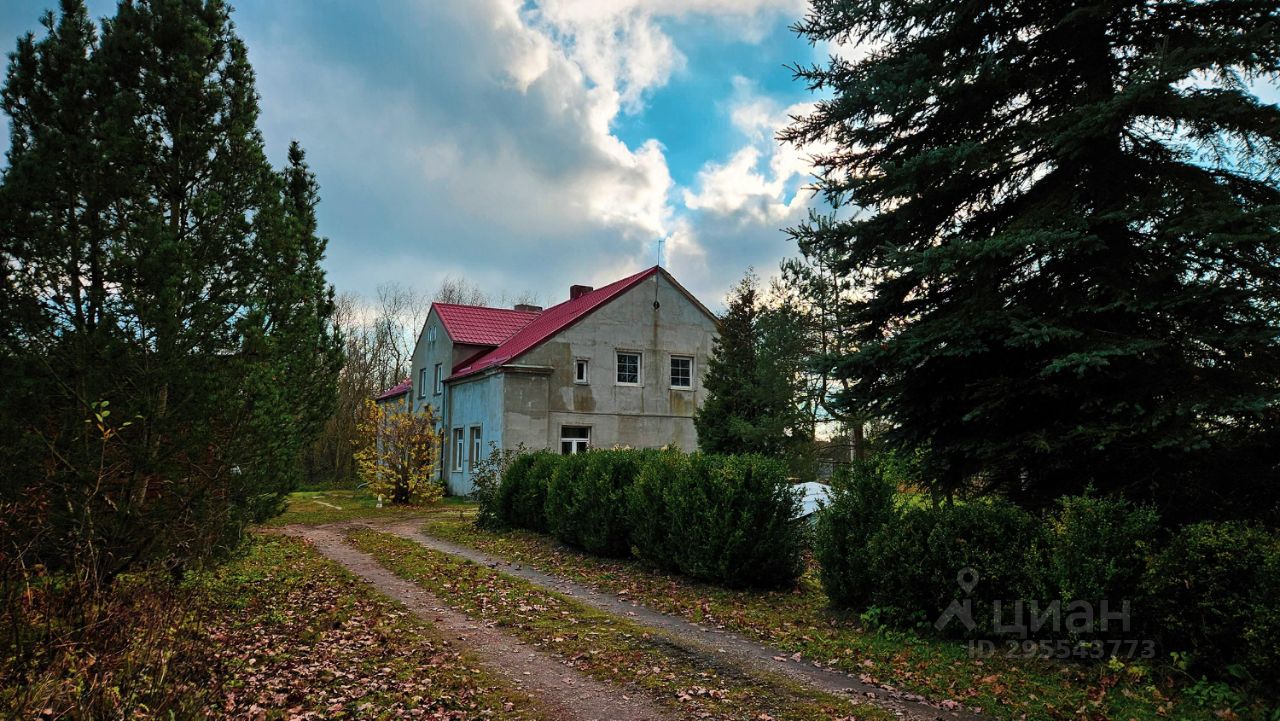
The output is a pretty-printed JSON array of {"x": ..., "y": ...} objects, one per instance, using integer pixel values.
[
  {"x": 681, "y": 371},
  {"x": 574, "y": 439},
  {"x": 422, "y": 382},
  {"x": 439, "y": 379},
  {"x": 629, "y": 368},
  {"x": 459, "y": 450},
  {"x": 477, "y": 447},
  {"x": 580, "y": 370}
]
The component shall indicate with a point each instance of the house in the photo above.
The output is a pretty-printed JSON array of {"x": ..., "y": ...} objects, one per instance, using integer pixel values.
[{"x": 619, "y": 365}]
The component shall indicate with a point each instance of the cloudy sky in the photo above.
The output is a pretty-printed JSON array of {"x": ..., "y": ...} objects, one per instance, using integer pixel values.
[{"x": 531, "y": 145}]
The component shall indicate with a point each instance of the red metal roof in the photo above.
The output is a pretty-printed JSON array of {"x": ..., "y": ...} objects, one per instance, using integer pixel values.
[
  {"x": 398, "y": 389},
  {"x": 549, "y": 322},
  {"x": 478, "y": 325}
]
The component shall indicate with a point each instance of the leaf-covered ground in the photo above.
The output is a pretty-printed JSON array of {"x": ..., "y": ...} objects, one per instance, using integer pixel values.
[
  {"x": 800, "y": 621},
  {"x": 297, "y": 637},
  {"x": 606, "y": 647}
]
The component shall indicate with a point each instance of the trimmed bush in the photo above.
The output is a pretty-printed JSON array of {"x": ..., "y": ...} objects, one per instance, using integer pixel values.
[
  {"x": 726, "y": 519},
  {"x": 1214, "y": 592},
  {"x": 648, "y": 511},
  {"x": 918, "y": 560},
  {"x": 1095, "y": 549},
  {"x": 588, "y": 496},
  {"x": 523, "y": 494},
  {"x": 862, "y": 501}
]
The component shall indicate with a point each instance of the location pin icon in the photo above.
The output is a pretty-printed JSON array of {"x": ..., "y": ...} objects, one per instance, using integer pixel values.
[{"x": 967, "y": 578}]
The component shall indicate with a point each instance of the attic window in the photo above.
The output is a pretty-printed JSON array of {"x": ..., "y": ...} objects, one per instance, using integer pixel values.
[
  {"x": 580, "y": 371},
  {"x": 629, "y": 368},
  {"x": 439, "y": 378}
]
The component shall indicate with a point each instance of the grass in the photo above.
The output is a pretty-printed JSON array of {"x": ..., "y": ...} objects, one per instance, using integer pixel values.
[
  {"x": 607, "y": 647},
  {"x": 800, "y": 621},
  {"x": 296, "y": 636},
  {"x": 330, "y": 506}
]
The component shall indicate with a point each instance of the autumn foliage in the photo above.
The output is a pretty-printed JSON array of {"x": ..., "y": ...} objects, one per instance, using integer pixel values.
[{"x": 398, "y": 452}]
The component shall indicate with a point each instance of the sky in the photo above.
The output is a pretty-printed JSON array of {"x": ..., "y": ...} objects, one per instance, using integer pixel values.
[{"x": 528, "y": 146}]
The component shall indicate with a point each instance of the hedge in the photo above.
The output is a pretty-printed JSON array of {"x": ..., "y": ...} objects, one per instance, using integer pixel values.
[
  {"x": 587, "y": 500},
  {"x": 522, "y": 496},
  {"x": 1213, "y": 591},
  {"x": 725, "y": 519},
  {"x": 861, "y": 501}
]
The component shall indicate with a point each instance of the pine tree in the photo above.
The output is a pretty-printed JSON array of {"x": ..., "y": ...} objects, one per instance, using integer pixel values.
[
  {"x": 173, "y": 343},
  {"x": 1067, "y": 241}
]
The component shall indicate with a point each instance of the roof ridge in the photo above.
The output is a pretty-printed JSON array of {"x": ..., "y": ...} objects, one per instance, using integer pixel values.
[{"x": 550, "y": 322}]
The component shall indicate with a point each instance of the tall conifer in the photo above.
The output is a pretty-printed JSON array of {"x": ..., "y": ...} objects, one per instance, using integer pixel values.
[{"x": 1066, "y": 241}]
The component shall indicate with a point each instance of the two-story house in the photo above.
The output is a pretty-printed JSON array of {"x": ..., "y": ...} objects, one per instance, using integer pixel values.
[{"x": 618, "y": 365}]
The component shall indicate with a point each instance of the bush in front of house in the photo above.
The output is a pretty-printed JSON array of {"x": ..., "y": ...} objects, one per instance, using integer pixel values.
[
  {"x": 924, "y": 558},
  {"x": 1095, "y": 549},
  {"x": 647, "y": 508},
  {"x": 725, "y": 519},
  {"x": 862, "y": 500},
  {"x": 602, "y": 521},
  {"x": 565, "y": 499},
  {"x": 523, "y": 494},
  {"x": 1214, "y": 592}
]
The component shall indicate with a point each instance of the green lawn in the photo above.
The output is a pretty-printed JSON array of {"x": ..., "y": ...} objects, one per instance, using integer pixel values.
[{"x": 315, "y": 507}]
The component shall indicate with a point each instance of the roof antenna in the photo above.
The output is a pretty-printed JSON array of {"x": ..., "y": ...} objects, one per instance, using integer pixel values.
[{"x": 661, "y": 243}]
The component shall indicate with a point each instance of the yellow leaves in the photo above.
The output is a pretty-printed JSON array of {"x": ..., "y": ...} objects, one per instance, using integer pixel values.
[{"x": 398, "y": 452}]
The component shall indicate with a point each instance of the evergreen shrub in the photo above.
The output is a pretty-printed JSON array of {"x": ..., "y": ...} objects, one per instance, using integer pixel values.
[
  {"x": 1214, "y": 593},
  {"x": 862, "y": 500}
]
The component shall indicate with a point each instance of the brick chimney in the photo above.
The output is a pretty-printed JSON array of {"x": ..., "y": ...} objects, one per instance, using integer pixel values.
[
  {"x": 577, "y": 291},
  {"x": 528, "y": 307}
]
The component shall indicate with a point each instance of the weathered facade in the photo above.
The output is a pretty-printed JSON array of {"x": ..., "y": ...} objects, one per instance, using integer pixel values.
[{"x": 618, "y": 365}]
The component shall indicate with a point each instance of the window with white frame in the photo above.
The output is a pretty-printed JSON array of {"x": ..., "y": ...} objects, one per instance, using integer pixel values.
[
  {"x": 422, "y": 382},
  {"x": 477, "y": 447},
  {"x": 681, "y": 371},
  {"x": 580, "y": 370},
  {"x": 574, "y": 439},
  {"x": 459, "y": 449},
  {"x": 439, "y": 384},
  {"x": 629, "y": 368}
]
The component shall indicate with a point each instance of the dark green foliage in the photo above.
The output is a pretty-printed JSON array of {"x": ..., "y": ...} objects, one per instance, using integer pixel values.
[
  {"x": 587, "y": 500},
  {"x": 918, "y": 559},
  {"x": 752, "y": 381},
  {"x": 1095, "y": 549},
  {"x": 648, "y": 511},
  {"x": 1066, "y": 258},
  {"x": 861, "y": 502},
  {"x": 487, "y": 478},
  {"x": 522, "y": 497},
  {"x": 566, "y": 498},
  {"x": 726, "y": 519},
  {"x": 1214, "y": 591},
  {"x": 166, "y": 338}
]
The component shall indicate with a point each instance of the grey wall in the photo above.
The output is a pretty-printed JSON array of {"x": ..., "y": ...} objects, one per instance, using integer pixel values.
[{"x": 650, "y": 415}]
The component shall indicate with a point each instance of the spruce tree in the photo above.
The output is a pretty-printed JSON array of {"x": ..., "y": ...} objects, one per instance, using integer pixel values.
[
  {"x": 751, "y": 383},
  {"x": 1066, "y": 241}
]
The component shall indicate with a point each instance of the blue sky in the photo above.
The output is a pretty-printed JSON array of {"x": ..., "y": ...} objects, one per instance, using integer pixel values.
[{"x": 527, "y": 146}]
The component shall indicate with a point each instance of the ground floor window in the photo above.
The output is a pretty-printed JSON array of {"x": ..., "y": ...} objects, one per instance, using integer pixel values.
[
  {"x": 477, "y": 447},
  {"x": 574, "y": 439},
  {"x": 459, "y": 450}
]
